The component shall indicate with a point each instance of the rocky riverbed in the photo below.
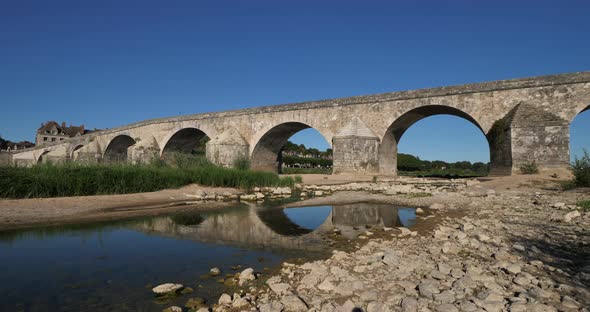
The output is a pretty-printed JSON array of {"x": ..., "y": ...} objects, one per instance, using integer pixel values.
[{"x": 516, "y": 249}]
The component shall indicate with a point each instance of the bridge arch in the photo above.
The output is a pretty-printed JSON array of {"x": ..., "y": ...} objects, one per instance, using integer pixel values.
[
  {"x": 579, "y": 127},
  {"x": 75, "y": 148},
  {"x": 185, "y": 141},
  {"x": 42, "y": 159},
  {"x": 118, "y": 147},
  {"x": 389, "y": 143},
  {"x": 266, "y": 154}
]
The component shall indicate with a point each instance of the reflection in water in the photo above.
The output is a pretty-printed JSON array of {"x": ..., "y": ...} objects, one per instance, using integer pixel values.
[
  {"x": 349, "y": 219},
  {"x": 105, "y": 266}
]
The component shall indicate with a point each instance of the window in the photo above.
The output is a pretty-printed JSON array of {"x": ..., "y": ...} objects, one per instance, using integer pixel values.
[
  {"x": 52, "y": 139},
  {"x": 61, "y": 139},
  {"x": 44, "y": 138}
]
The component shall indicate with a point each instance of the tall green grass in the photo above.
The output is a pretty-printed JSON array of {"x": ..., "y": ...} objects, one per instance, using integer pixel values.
[{"x": 72, "y": 179}]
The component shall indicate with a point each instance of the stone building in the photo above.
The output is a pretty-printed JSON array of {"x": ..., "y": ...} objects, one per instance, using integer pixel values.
[{"x": 51, "y": 131}]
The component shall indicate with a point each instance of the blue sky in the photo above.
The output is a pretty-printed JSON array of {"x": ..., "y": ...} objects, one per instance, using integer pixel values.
[{"x": 109, "y": 63}]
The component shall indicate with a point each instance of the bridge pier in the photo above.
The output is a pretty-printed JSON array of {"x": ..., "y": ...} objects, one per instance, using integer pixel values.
[
  {"x": 356, "y": 149},
  {"x": 226, "y": 149},
  {"x": 144, "y": 151},
  {"x": 525, "y": 135}
]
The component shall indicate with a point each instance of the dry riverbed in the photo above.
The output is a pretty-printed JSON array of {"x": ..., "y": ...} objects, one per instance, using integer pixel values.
[
  {"x": 502, "y": 244},
  {"x": 514, "y": 246}
]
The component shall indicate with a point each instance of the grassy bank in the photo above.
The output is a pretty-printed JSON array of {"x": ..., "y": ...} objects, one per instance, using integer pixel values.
[{"x": 81, "y": 180}]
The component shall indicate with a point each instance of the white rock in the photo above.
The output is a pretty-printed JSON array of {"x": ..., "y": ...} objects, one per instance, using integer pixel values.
[
  {"x": 246, "y": 275},
  {"x": 326, "y": 285},
  {"x": 568, "y": 217},
  {"x": 215, "y": 271},
  {"x": 167, "y": 288},
  {"x": 280, "y": 288},
  {"x": 240, "y": 303},
  {"x": 224, "y": 299},
  {"x": 293, "y": 303}
]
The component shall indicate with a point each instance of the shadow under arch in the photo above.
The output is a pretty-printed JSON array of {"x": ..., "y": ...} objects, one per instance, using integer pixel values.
[
  {"x": 73, "y": 153},
  {"x": 188, "y": 140},
  {"x": 278, "y": 221},
  {"x": 42, "y": 159},
  {"x": 266, "y": 154},
  {"x": 388, "y": 146},
  {"x": 116, "y": 151}
]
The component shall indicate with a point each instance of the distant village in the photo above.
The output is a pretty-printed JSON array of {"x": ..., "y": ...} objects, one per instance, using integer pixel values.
[{"x": 49, "y": 132}]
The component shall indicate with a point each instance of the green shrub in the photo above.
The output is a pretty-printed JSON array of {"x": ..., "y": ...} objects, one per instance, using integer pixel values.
[
  {"x": 242, "y": 163},
  {"x": 584, "y": 204},
  {"x": 529, "y": 168},
  {"x": 298, "y": 179},
  {"x": 581, "y": 170}
]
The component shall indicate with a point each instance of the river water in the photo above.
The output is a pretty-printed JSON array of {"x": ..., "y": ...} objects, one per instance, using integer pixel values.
[{"x": 112, "y": 266}]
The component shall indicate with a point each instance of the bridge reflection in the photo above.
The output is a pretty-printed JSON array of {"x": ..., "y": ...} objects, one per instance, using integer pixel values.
[{"x": 272, "y": 228}]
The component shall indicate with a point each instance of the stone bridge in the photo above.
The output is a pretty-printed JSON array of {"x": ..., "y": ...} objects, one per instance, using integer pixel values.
[{"x": 522, "y": 119}]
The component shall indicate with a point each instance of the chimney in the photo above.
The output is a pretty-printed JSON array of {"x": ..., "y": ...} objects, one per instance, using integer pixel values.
[
  {"x": 63, "y": 124},
  {"x": 82, "y": 129}
]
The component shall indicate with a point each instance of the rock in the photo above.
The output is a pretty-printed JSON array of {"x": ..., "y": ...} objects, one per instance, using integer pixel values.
[
  {"x": 348, "y": 306},
  {"x": 248, "y": 197},
  {"x": 464, "y": 283},
  {"x": 168, "y": 288},
  {"x": 245, "y": 276},
  {"x": 214, "y": 271},
  {"x": 466, "y": 226},
  {"x": 404, "y": 231},
  {"x": 240, "y": 303},
  {"x": 259, "y": 195},
  {"x": 409, "y": 304},
  {"x": 326, "y": 285},
  {"x": 187, "y": 290},
  {"x": 224, "y": 299},
  {"x": 447, "y": 307},
  {"x": 518, "y": 247},
  {"x": 521, "y": 280},
  {"x": 513, "y": 268},
  {"x": 271, "y": 307},
  {"x": 419, "y": 210},
  {"x": 195, "y": 303},
  {"x": 279, "y": 288},
  {"x": 558, "y": 205},
  {"x": 449, "y": 248},
  {"x": 446, "y": 296},
  {"x": 203, "y": 310},
  {"x": 467, "y": 306},
  {"x": 568, "y": 217},
  {"x": 318, "y": 193},
  {"x": 173, "y": 309},
  {"x": 293, "y": 303},
  {"x": 444, "y": 268},
  {"x": 569, "y": 303},
  {"x": 483, "y": 237},
  {"x": 375, "y": 306},
  {"x": 428, "y": 289}
]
